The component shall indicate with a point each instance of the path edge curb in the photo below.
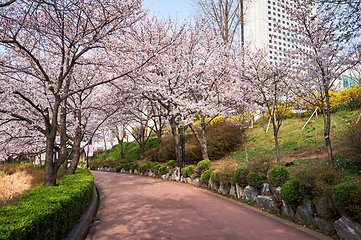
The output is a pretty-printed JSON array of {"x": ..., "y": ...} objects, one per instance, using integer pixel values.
[{"x": 81, "y": 227}]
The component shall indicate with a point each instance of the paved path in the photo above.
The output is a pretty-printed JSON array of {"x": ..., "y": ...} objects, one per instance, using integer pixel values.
[{"x": 135, "y": 207}]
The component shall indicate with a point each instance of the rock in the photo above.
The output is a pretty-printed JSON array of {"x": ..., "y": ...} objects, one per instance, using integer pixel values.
[
  {"x": 204, "y": 185},
  {"x": 197, "y": 182},
  {"x": 348, "y": 229},
  {"x": 122, "y": 170},
  {"x": 239, "y": 191},
  {"x": 278, "y": 190},
  {"x": 167, "y": 176},
  {"x": 286, "y": 210},
  {"x": 266, "y": 202},
  {"x": 305, "y": 213},
  {"x": 136, "y": 172},
  {"x": 266, "y": 189},
  {"x": 250, "y": 193},
  {"x": 326, "y": 208},
  {"x": 164, "y": 177},
  {"x": 323, "y": 224},
  {"x": 212, "y": 185},
  {"x": 232, "y": 192},
  {"x": 223, "y": 189}
]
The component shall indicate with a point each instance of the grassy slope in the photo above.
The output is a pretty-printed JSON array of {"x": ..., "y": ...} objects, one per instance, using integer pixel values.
[{"x": 295, "y": 143}]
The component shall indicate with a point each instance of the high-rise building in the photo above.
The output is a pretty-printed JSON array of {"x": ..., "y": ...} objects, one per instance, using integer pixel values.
[{"x": 267, "y": 24}]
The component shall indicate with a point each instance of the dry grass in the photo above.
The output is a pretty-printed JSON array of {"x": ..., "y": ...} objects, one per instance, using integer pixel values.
[
  {"x": 15, "y": 179},
  {"x": 14, "y": 184}
]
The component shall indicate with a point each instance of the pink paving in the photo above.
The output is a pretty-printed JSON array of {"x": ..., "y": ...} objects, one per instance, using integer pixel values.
[{"x": 135, "y": 207}]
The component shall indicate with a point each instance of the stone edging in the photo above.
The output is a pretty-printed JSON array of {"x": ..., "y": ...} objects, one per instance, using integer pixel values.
[{"x": 81, "y": 227}]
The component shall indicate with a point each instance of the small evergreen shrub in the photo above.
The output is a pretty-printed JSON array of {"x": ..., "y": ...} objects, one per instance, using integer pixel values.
[
  {"x": 187, "y": 171},
  {"x": 203, "y": 166},
  {"x": 278, "y": 176},
  {"x": 171, "y": 164},
  {"x": 143, "y": 169},
  {"x": 118, "y": 168},
  {"x": 290, "y": 192},
  {"x": 255, "y": 180},
  {"x": 133, "y": 166},
  {"x": 162, "y": 170},
  {"x": 205, "y": 176},
  {"x": 240, "y": 176},
  {"x": 347, "y": 197},
  {"x": 214, "y": 175}
]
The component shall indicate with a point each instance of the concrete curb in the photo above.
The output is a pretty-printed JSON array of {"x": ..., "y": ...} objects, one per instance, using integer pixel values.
[{"x": 80, "y": 229}]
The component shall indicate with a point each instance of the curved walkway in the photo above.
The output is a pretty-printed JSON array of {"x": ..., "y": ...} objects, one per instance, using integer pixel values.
[{"x": 135, "y": 207}]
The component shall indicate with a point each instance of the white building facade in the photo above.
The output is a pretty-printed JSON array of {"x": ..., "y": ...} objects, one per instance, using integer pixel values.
[{"x": 266, "y": 25}]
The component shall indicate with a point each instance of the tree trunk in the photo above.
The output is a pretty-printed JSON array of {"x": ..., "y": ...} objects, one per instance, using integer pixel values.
[
  {"x": 105, "y": 148},
  {"x": 201, "y": 138},
  {"x": 277, "y": 148},
  {"x": 120, "y": 143},
  {"x": 49, "y": 172},
  {"x": 245, "y": 145},
  {"x": 175, "y": 136},
  {"x": 63, "y": 149},
  {"x": 75, "y": 161},
  {"x": 159, "y": 137},
  {"x": 327, "y": 126}
]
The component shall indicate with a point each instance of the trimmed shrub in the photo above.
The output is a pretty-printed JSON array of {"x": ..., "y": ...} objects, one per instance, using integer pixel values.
[
  {"x": 203, "y": 166},
  {"x": 290, "y": 192},
  {"x": 48, "y": 213},
  {"x": 205, "y": 176},
  {"x": 255, "y": 180},
  {"x": 163, "y": 170},
  {"x": 133, "y": 166},
  {"x": 143, "y": 169},
  {"x": 171, "y": 164},
  {"x": 214, "y": 174},
  {"x": 118, "y": 168},
  {"x": 240, "y": 176},
  {"x": 347, "y": 197},
  {"x": 187, "y": 171},
  {"x": 278, "y": 176}
]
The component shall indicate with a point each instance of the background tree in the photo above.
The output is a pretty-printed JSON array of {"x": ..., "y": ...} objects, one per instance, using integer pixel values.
[
  {"x": 223, "y": 15},
  {"x": 268, "y": 83},
  {"x": 326, "y": 53}
]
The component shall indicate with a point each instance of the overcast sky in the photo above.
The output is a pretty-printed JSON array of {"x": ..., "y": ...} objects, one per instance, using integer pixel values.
[{"x": 177, "y": 9}]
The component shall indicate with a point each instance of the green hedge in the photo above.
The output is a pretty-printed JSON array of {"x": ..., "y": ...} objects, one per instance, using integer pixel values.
[{"x": 48, "y": 213}]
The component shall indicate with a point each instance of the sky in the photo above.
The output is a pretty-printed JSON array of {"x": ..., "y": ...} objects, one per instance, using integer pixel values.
[{"x": 177, "y": 9}]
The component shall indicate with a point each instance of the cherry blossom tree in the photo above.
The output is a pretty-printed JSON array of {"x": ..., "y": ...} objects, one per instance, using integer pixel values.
[
  {"x": 325, "y": 54},
  {"x": 43, "y": 42},
  {"x": 268, "y": 84}
]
